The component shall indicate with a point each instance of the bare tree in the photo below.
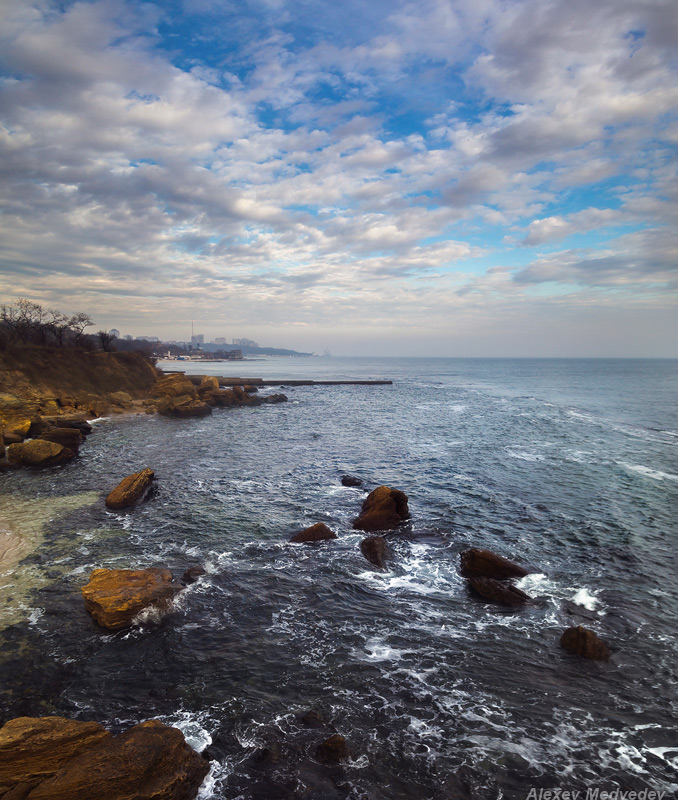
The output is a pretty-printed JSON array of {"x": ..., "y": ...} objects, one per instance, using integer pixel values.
[
  {"x": 77, "y": 323},
  {"x": 106, "y": 340}
]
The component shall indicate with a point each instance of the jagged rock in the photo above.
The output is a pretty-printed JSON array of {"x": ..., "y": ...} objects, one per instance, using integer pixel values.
[
  {"x": 182, "y": 406},
  {"x": 332, "y": 750},
  {"x": 33, "y": 749},
  {"x": 19, "y": 427},
  {"x": 484, "y": 563},
  {"x": 383, "y": 509},
  {"x": 250, "y": 389},
  {"x": 115, "y": 596},
  {"x": 67, "y": 437},
  {"x": 38, "y": 453},
  {"x": 272, "y": 398},
  {"x": 350, "y": 480},
  {"x": 584, "y": 642},
  {"x": 504, "y": 594},
  {"x": 77, "y": 421},
  {"x": 192, "y": 574},
  {"x": 174, "y": 386},
  {"x": 122, "y": 399},
  {"x": 150, "y": 761},
  {"x": 209, "y": 383},
  {"x": 131, "y": 490},
  {"x": 316, "y": 533},
  {"x": 374, "y": 550}
]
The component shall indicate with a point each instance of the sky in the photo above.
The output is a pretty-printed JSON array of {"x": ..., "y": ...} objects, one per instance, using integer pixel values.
[{"x": 440, "y": 177}]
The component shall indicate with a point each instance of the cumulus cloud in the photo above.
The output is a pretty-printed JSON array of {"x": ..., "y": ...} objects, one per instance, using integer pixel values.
[{"x": 357, "y": 163}]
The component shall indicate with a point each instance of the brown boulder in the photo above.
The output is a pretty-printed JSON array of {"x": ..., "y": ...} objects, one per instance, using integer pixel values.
[
  {"x": 505, "y": 594},
  {"x": 174, "y": 386},
  {"x": 583, "y": 642},
  {"x": 209, "y": 383},
  {"x": 38, "y": 453},
  {"x": 34, "y": 748},
  {"x": 115, "y": 596},
  {"x": 382, "y": 510},
  {"x": 183, "y": 405},
  {"x": 131, "y": 490},
  {"x": 67, "y": 437},
  {"x": 332, "y": 750},
  {"x": 316, "y": 533},
  {"x": 374, "y": 550},
  {"x": 122, "y": 399},
  {"x": 150, "y": 761},
  {"x": 484, "y": 563},
  {"x": 272, "y": 398},
  {"x": 19, "y": 427}
]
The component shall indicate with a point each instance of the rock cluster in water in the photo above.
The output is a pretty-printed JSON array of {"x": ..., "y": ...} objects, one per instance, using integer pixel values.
[{"x": 53, "y": 758}]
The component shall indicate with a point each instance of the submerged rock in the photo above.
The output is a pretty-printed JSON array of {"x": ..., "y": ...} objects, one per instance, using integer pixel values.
[
  {"x": 495, "y": 591},
  {"x": 374, "y": 550},
  {"x": 316, "y": 533},
  {"x": 131, "y": 490},
  {"x": 332, "y": 750},
  {"x": 484, "y": 563},
  {"x": 350, "y": 480},
  {"x": 150, "y": 761},
  {"x": 584, "y": 642},
  {"x": 38, "y": 453},
  {"x": 192, "y": 574},
  {"x": 33, "y": 749},
  {"x": 383, "y": 509},
  {"x": 273, "y": 398},
  {"x": 115, "y": 596}
]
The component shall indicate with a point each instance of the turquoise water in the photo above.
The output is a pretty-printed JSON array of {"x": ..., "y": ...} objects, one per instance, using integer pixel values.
[{"x": 567, "y": 466}]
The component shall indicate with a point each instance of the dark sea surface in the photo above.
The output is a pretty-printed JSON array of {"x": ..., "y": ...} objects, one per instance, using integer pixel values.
[{"x": 569, "y": 467}]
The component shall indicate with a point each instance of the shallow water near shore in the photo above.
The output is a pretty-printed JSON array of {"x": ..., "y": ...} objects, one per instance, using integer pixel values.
[{"x": 569, "y": 467}]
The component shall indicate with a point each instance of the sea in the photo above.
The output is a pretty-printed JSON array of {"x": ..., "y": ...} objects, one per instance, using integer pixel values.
[{"x": 568, "y": 467}]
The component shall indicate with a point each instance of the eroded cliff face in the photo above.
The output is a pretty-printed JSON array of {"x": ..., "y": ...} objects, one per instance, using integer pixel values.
[{"x": 54, "y": 381}]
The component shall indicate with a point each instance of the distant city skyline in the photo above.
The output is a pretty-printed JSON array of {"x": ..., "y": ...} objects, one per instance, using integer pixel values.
[{"x": 445, "y": 177}]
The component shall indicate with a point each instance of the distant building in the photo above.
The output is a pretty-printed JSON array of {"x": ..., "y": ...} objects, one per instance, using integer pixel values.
[
  {"x": 128, "y": 337},
  {"x": 198, "y": 340},
  {"x": 245, "y": 343},
  {"x": 114, "y": 332},
  {"x": 220, "y": 340},
  {"x": 148, "y": 338}
]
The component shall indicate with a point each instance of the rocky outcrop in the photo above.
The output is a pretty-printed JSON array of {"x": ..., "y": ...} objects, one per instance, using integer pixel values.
[
  {"x": 178, "y": 397},
  {"x": 383, "y": 510},
  {"x": 131, "y": 490},
  {"x": 584, "y": 642},
  {"x": 121, "y": 399},
  {"x": 38, "y": 453},
  {"x": 484, "y": 563},
  {"x": 67, "y": 437},
  {"x": 350, "y": 480},
  {"x": 374, "y": 550},
  {"x": 150, "y": 761},
  {"x": 115, "y": 596},
  {"x": 76, "y": 421},
  {"x": 33, "y": 749},
  {"x": 237, "y": 396},
  {"x": 505, "y": 594},
  {"x": 332, "y": 750},
  {"x": 316, "y": 533}
]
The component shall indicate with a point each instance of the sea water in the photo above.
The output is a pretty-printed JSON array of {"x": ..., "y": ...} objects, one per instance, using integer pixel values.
[{"x": 568, "y": 467}]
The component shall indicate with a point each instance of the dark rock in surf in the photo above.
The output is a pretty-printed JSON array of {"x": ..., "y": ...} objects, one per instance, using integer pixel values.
[
  {"x": 115, "y": 596},
  {"x": 38, "y": 453},
  {"x": 150, "y": 761},
  {"x": 131, "y": 490},
  {"x": 584, "y": 642},
  {"x": 350, "y": 480},
  {"x": 273, "y": 398},
  {"x": 332, "y": 750},
  {"x": 383, "y": 510},
  {"x": 505, "y": 594},
  {"x": 192, "y": 574},
  {"x": 311, "y": 719},
  {"x": 484, "y": 563},
  {"x": 316, "y": 533},
  {"x": 374, "y": 550}
]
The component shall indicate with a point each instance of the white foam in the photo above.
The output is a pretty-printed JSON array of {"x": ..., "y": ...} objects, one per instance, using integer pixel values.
[
  {"x": 523, "y": 455},
  {"x": 648, "y": 472},
  {"x": 584, "y": 598}
]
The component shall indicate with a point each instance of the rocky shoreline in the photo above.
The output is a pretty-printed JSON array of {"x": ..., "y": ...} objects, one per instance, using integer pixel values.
[{"x": 47, "y": 430}]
